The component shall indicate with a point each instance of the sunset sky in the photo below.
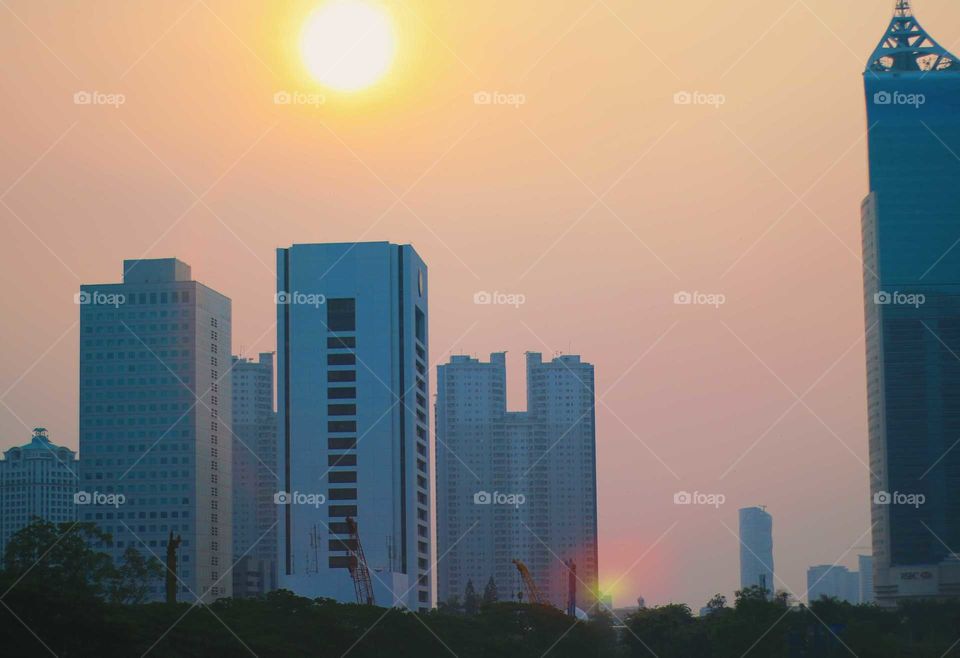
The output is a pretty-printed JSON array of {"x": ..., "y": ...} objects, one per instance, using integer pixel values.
[{"x": 594, "y": 195}]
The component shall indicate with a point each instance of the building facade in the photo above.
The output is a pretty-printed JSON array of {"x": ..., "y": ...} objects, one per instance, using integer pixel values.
[
  {"x": 756, "y": 549},
  {"x": 833, "y": 581},
  {"x": 155, "y": 400},
  {"x": 353, "y": 421},
  {"x": 255, "y": 477},
  {"x": 865, "y": 568},
  {"x": 516, "y": 485},
  {"x": 910, "y": 221},
  {"x": 38, "y": 479}
]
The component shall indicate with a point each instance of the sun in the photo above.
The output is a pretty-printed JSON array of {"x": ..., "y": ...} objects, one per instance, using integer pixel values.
[{"x": 347, "y": 45}]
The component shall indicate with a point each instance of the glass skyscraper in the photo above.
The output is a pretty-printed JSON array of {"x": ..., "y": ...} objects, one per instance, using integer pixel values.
[
  {"x": 911, "y": 262},
  {"x": 756, "y": 549},
  {"x": 353, "y": 382},
  {"x": 155, "y": 400}
]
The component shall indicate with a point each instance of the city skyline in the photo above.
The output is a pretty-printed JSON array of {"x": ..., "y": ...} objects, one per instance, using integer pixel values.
[{"x": 758, "y": 396}]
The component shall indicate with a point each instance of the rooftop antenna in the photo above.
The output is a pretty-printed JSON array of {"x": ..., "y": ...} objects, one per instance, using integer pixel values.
[
  {"x": 903, "y": 9},
  {"x": 906, "y": 47}
]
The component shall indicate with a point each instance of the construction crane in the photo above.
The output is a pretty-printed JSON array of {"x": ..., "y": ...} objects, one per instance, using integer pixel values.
[
  {"x": 533, "y": 594},
  {"x": 358, "y": 566}
]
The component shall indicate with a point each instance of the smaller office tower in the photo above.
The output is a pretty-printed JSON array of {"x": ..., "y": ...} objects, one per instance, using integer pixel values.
[
  {"x": 36, "y": 479},
  {"x": 254, "y": 476},
  {"x": 756, "y": 549}
]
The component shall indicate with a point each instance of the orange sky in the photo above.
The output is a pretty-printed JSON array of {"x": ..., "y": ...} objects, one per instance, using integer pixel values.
[{"x": 597, "y": 199}]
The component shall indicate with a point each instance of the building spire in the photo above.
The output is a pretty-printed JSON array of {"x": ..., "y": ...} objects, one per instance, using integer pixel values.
[{"x": 906, "y": 47}]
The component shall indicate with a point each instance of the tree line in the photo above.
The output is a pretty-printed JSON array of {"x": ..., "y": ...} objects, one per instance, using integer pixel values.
[{"x": 62, "y": 597}]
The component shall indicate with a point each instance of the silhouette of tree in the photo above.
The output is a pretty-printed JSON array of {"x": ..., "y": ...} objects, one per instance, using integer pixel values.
[{"x": 490, "y": 594}]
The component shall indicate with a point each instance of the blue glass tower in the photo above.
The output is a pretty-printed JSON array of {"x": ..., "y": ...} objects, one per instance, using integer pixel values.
[{"x": 911, "y": 262}]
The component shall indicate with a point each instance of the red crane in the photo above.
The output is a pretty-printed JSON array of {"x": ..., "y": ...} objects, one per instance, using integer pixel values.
[{"x": 359, "y": 570}]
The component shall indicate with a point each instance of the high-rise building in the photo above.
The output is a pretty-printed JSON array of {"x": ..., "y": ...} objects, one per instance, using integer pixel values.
[
  {"x": 516, "y": 485},
  {"x": 38, "y": 479},
  {"x": 756, "y": 549},
  {"x": 910, "y": 222},
  {"x": 833, "y": 581},
  {"x": 353, "y": 421},
  {"x": 155, "y": 397},
  {"x": 865, "y": 565},
  {"x": 255, "y": 477}
]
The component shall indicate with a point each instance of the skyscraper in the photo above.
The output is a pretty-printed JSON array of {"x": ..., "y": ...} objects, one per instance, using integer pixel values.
[
  {"x": 865, "y": 567},
  {"x": 154, "y": 402},
  {"x": 255, "y": 481},
  {"x": 911, "y": 224},
  {"x": 36, "y": 479},
  {"x": 353, "y": 420},
  {"x": 516, "y": 485},
  {"x": 756, "y": 549}
]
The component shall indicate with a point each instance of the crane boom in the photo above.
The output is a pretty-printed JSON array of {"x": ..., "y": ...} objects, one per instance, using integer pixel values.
[
  {"x": 359, "y": 570},
  {"x": 532, "y": 592}
]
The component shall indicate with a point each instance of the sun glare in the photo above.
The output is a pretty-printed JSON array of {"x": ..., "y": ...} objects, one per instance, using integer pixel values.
[{"x": 347, "y": 45}]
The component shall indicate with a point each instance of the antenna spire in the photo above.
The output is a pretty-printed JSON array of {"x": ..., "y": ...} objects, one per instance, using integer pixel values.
[{"x": 906, "y": 47}]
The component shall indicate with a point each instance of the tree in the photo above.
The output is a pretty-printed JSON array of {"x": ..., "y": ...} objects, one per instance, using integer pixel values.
[
  {"x": 451, "y": 606},
  {"x": 717, "y": 602},
  {"x": 470, "y": 601},
  {"x": 490, "y": 594},
  {"x": 132, "y": 580},
  {"x": 60, "y": 557}
]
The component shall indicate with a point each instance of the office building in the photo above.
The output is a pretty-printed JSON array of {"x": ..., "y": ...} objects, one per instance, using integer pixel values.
[
  {"x": 834, "y": 582},
  {"x": 517, "y": 485},
  {"x": 37, "y": 479},
  {"x": 353, "y": 421},
  {"x": 255, "y": 477},
  {"x": 910, "y": 221},
  {"x": 155, "y": 397},
  {"x": 756, "y": 549}
]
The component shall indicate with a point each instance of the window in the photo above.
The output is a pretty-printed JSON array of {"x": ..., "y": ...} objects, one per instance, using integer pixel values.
[
  {"x": 341, "y": 477},
  {"x": 347, "y": 359},
  {"x": 341, "y": 375},
  {"x": 342, "y": 409},
  {"x": 342, "y": 443},
  {"x": 341, "y": 460},
  {"x": 342, "y": 314},
  {"x": 340, "y": 494},
  {"x": 341, "y": 342},
  {"x": 345, "y": 393},
  {"x": 421, "y": 322},
  {"x": 342, "y": 426}
]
